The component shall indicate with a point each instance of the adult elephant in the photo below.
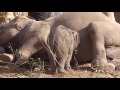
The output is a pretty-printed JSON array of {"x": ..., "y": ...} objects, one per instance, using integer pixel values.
[
  {"x": 88, "y": 49},
  {"x": 43, "y": 15}
]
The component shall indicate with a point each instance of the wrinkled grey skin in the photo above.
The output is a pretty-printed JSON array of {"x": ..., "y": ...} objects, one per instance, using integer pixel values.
[
  {"x": 35, "y": 35},
  {"x": 63, "y": 42},
  {"x": 87, "y": 49},
  {"x": 104, "y": 44}
]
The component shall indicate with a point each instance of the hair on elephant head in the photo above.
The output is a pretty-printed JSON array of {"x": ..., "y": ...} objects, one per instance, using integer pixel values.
[
  {"x": 12, "y": 28},
  {"x": 20, "y": 22}
]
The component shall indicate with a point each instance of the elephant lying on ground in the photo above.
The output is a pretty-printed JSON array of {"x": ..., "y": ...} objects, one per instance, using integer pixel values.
[
  {"x": 36, "y": 35},
  {"x": 88, "y": 49},
  {"x": 79, "y": 21}
]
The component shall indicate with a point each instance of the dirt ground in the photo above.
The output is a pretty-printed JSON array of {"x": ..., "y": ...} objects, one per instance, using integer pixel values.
[{"x": 82, "y": 71}]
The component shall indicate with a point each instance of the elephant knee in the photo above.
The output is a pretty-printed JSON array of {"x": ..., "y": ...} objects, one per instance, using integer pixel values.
[{"x": 93, "y": 28}]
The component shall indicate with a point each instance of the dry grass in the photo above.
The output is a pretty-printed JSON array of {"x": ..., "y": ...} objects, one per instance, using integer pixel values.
[
  {"x": 41, "y": 70},
  {"x": 83, "y": 71}
]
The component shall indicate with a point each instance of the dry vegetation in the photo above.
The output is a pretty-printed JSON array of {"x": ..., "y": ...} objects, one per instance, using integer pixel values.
[{"x": 41, "y": 70}]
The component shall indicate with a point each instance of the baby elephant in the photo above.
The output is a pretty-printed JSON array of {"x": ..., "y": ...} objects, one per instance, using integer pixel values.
[
  {"x": 29, "y": 37},
  {"x": 62, "y": 42}
]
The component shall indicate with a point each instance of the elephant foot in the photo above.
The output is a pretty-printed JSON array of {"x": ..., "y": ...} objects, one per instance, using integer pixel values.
[
  {"x": 68, "y": 68},
  {"x": 62, "y": 71},
  {"x": 107, "y": 67},
  {"x": 57, "y": 71}
]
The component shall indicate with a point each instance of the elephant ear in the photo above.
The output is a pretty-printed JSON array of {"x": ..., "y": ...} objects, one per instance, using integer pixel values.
[{"x": 21, "y": 23}]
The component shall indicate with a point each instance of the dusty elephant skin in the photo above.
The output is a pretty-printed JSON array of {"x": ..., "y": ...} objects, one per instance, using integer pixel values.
[
  {"x": 15, "y": 31},
  {"x": 76, "y": 21},
  {"x": 63, "y": 42},
  {"x": 90, "y": 47},
  {"x": 34, "y": 35}
]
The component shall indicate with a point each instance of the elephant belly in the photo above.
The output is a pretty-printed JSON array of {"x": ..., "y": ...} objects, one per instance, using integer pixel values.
[
  {"x": 41, "y": 54},
  {"x": 85, "y": 49}
]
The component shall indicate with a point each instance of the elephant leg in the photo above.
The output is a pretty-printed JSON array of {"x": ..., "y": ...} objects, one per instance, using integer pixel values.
[
  {"x": 64, "y": 53},
  {"x": 52, "y": 57},
  {"x": 57, "y": 60},
  {"x": 30, "y": 47},
  {"x": 67, "y": 64},
  {"x": 52, "y": 62},
  {"x": 99, "y": 53},
  {"x": 61, "y": 58}
]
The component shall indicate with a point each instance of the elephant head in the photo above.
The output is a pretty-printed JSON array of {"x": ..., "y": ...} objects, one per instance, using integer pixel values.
[{"x": 11, "y": 29}]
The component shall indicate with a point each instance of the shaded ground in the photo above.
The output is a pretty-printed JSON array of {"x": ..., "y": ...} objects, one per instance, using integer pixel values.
[{"x": 83, "y": 71}]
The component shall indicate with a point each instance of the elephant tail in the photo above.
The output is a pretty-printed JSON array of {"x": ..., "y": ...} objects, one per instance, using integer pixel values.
[
  {"x": 51, "y": 53},
  {"x": 76, "y": 39}
]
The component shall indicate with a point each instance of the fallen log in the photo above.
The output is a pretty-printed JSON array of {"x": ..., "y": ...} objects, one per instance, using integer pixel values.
[{"x": 5, "y": 58}]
